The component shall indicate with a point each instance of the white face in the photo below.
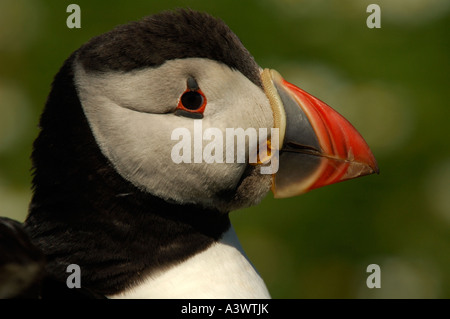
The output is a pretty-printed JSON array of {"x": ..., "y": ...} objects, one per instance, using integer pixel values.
[{"x": 131, "y": 115}]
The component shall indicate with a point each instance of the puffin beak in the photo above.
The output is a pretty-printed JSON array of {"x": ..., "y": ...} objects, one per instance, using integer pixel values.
[{"x": 318, "y": 146}]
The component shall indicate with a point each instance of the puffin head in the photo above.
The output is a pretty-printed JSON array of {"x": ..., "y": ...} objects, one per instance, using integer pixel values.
[
  {"x": 117, "y": 121},
  {"x": 141, "y": 82}
]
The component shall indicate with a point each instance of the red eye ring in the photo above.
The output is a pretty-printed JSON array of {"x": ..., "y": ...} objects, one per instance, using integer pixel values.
[{"x": 192, "y": 101}]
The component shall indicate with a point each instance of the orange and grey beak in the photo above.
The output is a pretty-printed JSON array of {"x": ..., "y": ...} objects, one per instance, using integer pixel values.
[{"x": 318, "y": 146}]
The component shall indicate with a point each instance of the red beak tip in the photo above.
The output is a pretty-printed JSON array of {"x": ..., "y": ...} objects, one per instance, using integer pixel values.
[{"x": 342, "y": 153}]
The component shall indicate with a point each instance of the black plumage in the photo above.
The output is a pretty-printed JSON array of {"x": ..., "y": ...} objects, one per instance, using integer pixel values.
[
  {"x": 166, "y": 36},
  {"x": 82, "y": 211},
  {"x": 21, "y": 262}
]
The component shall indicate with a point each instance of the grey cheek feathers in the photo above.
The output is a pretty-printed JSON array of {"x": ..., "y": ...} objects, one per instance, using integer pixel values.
[{"x": 130, "y": 117}]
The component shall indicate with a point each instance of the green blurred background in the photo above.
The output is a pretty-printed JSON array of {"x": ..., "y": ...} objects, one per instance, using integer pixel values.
[{"x": 392, "y": 83}]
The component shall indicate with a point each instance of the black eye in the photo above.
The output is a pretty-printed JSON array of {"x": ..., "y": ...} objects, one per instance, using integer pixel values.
[{"x": 192, "y": 100}]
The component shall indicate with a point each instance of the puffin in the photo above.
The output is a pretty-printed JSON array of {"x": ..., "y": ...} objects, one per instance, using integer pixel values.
[{"x": 108, "y": 195}]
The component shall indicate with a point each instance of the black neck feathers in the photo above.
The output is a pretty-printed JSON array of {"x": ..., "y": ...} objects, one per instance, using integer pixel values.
[{"x": 83, "y": 212}]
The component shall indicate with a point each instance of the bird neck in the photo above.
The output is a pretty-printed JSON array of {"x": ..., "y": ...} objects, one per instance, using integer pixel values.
[
  {"x": 83, "y": 212},
  {"x": 220, "y": 271},
  {"x": 119, "y": 240}
]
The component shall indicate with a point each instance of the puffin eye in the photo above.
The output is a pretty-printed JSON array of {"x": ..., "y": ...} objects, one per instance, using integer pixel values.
[{"x": 192, "y": 100}]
